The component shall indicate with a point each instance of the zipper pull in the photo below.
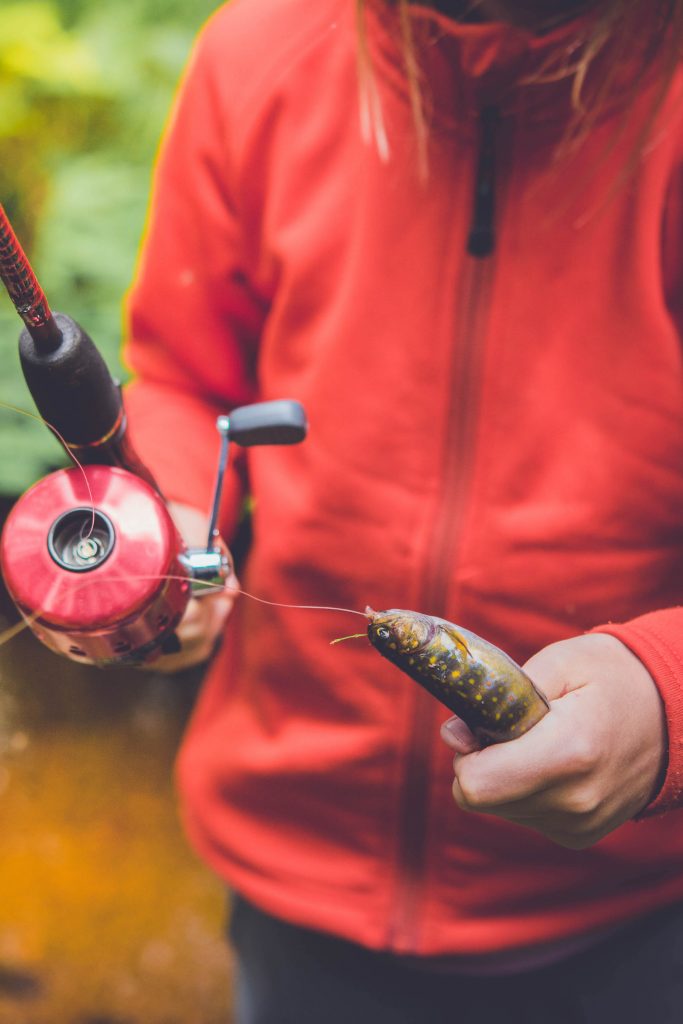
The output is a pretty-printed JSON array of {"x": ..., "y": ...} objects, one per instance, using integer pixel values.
[{"x": 482, "y": 237}]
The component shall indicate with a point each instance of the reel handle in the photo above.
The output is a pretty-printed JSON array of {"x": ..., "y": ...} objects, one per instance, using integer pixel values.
[{"x": 281, "y": 421}]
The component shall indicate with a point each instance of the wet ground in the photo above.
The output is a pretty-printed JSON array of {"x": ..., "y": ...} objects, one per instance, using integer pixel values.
[{"x": 106, "y": 916}]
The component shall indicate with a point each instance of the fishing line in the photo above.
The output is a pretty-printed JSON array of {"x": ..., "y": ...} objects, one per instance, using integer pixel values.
[
  {"x": 10, "y": 633},
  {"x": 13, "y": 631},
  {"x": 221, "y": 588},
  {"x": 302, "y": 607},
  {"x": 79, "y": 465}
]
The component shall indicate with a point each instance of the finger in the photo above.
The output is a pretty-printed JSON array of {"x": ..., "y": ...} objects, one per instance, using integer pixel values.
[
  {"x": 559, "y": 828},
  {"x": 204, "y": 619},
  {"x": 557, "y": 805},
  {"x": 458, "y": 736},
  {"x": 194, "y": 650},
  {"x": 517, "y": 812},
  {"x": 198, "y": 633},
  {"x": 550, "y": 754},
  {"x": 553, "y": 816},
  {"x": 548, "y": 667},
  {"x": 171, "y": 664},
  {"x": 231, "y": 587}
]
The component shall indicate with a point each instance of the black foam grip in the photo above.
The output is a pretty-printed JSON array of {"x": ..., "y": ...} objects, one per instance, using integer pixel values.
[{"x": 71, "y": 386}]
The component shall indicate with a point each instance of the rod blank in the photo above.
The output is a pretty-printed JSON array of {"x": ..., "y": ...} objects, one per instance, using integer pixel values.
[{"x": 26, "y": 294}]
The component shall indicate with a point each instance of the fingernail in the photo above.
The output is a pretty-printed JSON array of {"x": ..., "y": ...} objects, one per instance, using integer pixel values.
[
  {"x": 456, "y": 735},
  {"x": 452, "y": 731}
]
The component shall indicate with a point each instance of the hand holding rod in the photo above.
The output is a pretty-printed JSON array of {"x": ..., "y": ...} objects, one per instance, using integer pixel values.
[{"x": 99, "y": 524}]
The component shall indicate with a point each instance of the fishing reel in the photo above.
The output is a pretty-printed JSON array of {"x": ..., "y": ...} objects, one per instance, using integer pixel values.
[
  {"x": 90, "y": 555},
  {"x": 95, "y": 564}
]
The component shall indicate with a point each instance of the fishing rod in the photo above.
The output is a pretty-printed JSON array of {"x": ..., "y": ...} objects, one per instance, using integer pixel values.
[
  {"x": 66, "y": 375},
  {"x": 90, "y": 555}
]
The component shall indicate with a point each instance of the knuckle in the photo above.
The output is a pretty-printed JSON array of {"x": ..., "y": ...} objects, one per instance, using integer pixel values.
[
  {"x": 550, "y": 659},
  {"x": 581, "y": 754},
  {"x": 582, "y": 801},
  {"x": 469, "y": 797}
]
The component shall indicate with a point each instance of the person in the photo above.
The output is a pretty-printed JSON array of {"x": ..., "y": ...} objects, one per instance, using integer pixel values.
[{"x": 454, "y": 233}]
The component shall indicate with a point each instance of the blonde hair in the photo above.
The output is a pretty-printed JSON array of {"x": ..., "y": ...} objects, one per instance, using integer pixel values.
[{"x": 650, "y": 30}]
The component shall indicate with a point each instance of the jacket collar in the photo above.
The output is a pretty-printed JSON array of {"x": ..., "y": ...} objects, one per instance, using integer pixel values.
[{"x": 465, "y": 66}]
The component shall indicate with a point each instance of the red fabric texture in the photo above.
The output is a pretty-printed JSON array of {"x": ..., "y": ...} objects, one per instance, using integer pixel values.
[
  {"x": 657, "y": 639},
  {"x": 498, "y": 441}
]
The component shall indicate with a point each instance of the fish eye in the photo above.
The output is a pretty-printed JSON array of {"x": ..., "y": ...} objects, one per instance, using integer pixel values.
[{"x": 383, "y": 633}]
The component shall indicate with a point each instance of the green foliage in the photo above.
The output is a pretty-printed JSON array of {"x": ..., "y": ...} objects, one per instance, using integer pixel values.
[{"x": 84, "y": 91}]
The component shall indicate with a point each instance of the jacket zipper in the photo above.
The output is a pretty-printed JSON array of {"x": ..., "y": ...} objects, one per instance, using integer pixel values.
[
  {"x": 473, "y": 301},
  {"x": 482, "y": 237}
]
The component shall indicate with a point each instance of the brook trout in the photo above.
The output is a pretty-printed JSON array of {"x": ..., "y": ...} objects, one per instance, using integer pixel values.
[{"x": 475, "y": 680}]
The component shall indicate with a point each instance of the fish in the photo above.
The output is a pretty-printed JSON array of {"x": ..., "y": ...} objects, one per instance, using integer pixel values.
[{"x": 475, "y": 680}]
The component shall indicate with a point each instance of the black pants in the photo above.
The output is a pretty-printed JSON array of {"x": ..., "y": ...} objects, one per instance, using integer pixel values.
[{"x": 290, "y": 975}]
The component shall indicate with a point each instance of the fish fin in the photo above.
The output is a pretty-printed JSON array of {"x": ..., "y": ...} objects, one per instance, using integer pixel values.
[{"x": 457, "y": 638}]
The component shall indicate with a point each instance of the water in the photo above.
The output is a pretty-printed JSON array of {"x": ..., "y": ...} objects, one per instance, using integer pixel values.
[{"x": 106, "y": 916}]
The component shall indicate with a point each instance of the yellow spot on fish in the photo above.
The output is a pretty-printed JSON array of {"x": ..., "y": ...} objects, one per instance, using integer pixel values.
[
  {"x": 479, "y": 697},
  {"x": 432, "y": 660}
]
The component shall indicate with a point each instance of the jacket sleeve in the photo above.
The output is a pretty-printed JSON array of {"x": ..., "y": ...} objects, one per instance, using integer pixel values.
[
  {"x": 193, "y": 320},
  {"x": 657, "y": 640}
]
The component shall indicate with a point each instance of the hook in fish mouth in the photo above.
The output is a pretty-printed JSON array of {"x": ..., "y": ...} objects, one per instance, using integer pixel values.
[{"x": 382, "y": 632}]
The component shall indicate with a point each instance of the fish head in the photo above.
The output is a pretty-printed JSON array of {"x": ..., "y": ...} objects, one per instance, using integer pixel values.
[{"x": 395, "y": 632}]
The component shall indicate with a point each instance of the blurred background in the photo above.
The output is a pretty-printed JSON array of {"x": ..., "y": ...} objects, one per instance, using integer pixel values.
[{"x": 106, "y": 916}]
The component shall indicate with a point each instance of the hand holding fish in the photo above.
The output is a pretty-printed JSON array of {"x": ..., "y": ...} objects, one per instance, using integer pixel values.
[{"x": 585, "y": 768}]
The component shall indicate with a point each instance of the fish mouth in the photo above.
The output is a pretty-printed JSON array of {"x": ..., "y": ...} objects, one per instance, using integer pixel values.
[
  {"x": 385, "y": 620},
  {"x": 376, "y": 624}
]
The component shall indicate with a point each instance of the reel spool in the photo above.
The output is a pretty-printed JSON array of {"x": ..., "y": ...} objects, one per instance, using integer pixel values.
[{"x": 99, "y": 579}]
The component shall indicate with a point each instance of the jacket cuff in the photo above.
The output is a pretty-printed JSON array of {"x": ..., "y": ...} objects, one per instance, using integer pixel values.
[{"x": 657, "y": 640}]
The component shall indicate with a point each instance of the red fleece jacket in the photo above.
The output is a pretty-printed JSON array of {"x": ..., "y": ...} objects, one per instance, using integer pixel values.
[{"x": 496, "y": 439}]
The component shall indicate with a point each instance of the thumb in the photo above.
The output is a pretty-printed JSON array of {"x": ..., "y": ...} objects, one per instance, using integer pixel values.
[
  {"x": 569, "y": 665},
  {"x": 547, "y": 670},
  {"x": 458, "y": 736}
]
